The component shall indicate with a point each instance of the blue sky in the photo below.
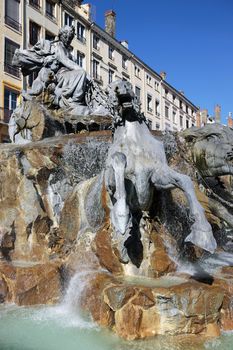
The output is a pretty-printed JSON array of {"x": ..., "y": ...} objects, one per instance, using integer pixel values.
[{"x": 192, "y": 40}]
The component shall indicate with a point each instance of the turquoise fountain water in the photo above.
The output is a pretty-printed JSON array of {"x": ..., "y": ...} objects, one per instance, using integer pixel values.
[
  {"x": 65, "y": 327},
  {"x": 55, "y": 328}
]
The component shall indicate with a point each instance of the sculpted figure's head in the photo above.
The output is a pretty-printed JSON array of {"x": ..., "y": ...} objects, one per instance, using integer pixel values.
[
  {"x": 212, "y": 149},
  {"x": 66, "y": 35},
  {"x": 123, "y": 100}
]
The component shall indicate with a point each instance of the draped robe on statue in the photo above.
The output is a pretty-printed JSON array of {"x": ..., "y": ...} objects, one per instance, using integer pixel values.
[{"x": 71, "y": 79}]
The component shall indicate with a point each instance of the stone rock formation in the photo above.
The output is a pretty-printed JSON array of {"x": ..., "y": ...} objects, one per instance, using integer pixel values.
[
  {"x": 45, "y": 194},
  {"x": 136, "y": 311}
]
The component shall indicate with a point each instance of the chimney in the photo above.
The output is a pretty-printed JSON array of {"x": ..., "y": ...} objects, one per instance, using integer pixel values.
[
  {"x": 86, "y": 10},
  {"x": 110, "y": 22},
  {"x": 163, "y": 75},
  {"x": 204, "y": 116},
  {"x": 230, "y": 120},
  {"x": 198, "y": 119},
  {"x": 217, "y": 112},
  {"x": 125, "y": 43}
]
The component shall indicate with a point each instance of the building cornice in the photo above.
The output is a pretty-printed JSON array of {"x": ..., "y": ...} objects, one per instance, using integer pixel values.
[
  {"x": 181, "y": 96},
  {"x": 131, "y": 55}
]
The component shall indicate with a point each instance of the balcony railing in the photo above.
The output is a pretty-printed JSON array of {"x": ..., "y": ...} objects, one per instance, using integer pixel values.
[
  {"x": 81, "y": 38},
  {"x": 8, "y": 68},
  {"x": 35, "y": 4},
  {"x": 50, "y": 16},
  {"x": 13, "y": 23},
  {"x": 5, "y": 114}
]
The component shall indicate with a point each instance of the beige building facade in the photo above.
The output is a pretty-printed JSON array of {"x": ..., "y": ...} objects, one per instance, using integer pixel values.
[{"x": 24, "y": 22}]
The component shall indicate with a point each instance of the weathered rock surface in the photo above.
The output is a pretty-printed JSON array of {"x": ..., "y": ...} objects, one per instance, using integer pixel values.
[
  {"x": 136, "y": 311},
  {"x": 29, "y": 285},
  {"x": 52, "y": 221},
  {"x": 38, "y": 212}
]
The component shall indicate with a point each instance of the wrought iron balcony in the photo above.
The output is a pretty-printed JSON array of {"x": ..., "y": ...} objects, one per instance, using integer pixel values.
[
  {"x": 81, "y": 38},
  {"x": 8, "y": 68},
  {"x": 13, "y": 23}
]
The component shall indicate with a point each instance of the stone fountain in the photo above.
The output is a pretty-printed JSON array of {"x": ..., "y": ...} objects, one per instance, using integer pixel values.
[{"x": 86, "y": 186}]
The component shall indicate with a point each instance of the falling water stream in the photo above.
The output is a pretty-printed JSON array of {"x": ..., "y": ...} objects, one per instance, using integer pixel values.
[{"x": 65, "y": 327}]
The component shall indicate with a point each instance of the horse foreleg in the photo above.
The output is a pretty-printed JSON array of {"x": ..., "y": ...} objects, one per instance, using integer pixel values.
[
  {"x": 120, "y": 215},
  {"x": 120, "y": 212},
  {"x": 201, "y": 232}
]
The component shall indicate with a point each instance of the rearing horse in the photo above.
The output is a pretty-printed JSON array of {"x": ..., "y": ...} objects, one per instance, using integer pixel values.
[{"x": 136, "y": 164}]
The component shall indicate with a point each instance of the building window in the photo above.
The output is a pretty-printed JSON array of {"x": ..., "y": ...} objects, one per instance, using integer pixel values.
[
  {"x": 167, "y": 126},
  {"x": 156, "y": 85},
  {"x": 49, "y": 36},
  {"x": 148, "y": 79},
  {"x": 157, "y": 126},
  {"x": 149, "y": 103},
  {"x": 181, "y": 104},
  {"x": 110, "y": 52},
  {"x": 110, "y": 76},
  {"x": 35, "y": 3},
  {"x": 149, "y": 124},
  {"x": 80, "y": 59},
  {"x": 68, "y": 20},
  {"x": 10, "y": 47},
  {"x": 174, "y": 98},
  {"x": 167, "y": 112},
  {"x": 174, "y": 116},
  {"x": 31, "y": 78},
  {"x": 96, "y": 42},
  {"x": 166, "y": 93},
  {"x": 50, "y": 9},
  {"x": 137, "y": 71},
  {"x": 34, "y": 33},
  {"x": 181, "y": 121},
  {"x": 12, "y": 14},
  {"x": 187, "y": 109},
  {"x": 10, "y": 102},
  {"x": 96, "y": 69},
  {"x": 138, "y": 93},
  {"x": 81, "y": 32},
  {"x": 124, "y": 62},
  {"x": 157, "y": 107},
  {"x": 187, "y": 124}
]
